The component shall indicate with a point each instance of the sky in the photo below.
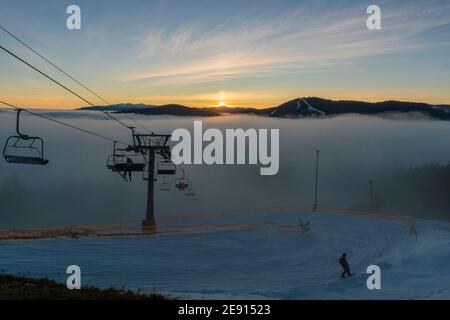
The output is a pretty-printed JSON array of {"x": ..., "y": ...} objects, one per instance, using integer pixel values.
[{"x": 235, "y": 52}]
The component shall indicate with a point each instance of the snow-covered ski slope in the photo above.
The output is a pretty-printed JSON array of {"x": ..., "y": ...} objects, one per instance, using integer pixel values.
[{"x": 259, "y": 263}]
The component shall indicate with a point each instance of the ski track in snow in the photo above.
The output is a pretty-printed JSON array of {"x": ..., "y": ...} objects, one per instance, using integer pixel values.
[{"x": 258, "y": 264}]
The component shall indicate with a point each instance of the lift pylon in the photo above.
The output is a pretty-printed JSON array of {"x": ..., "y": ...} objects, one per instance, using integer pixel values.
[{"x": 152, "y": 145}]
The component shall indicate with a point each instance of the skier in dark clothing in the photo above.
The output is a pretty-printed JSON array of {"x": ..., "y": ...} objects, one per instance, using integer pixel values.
[
  {"x": 128, "y": 168},
  {"x": 345, "y": 266}
]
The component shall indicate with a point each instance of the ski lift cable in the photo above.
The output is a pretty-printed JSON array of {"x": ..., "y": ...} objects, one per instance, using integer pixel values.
[
  {"x": 66, "y": 74},
  {"x": 63, "y": 123},
  {"x": 60, "y": 84}
]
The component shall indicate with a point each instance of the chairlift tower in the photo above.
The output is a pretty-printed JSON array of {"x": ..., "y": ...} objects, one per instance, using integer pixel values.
[
  {"x": 371, "y": 194},
  {"x": 316, "y": 203},
  {"x": 151, "y": 145}
]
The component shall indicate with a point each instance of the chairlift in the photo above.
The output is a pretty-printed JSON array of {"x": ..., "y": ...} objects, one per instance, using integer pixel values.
[
  {"x": 166, "y": 167},
  {"x": 166, "y": 153},
  {"x": 118, "y": 161},
  {"x": 183, "y": 184},
  {"x": 24, "y": 149},
  {"x": 190, "y": 193},
  {"x": 166, "y": 185}
]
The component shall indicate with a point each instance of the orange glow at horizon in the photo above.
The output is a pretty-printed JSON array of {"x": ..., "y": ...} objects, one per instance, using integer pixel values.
[{"x": 251, "y": 99}]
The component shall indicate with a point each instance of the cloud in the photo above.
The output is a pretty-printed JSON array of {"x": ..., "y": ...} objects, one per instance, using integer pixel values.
[{"x": 304, "y": 37}]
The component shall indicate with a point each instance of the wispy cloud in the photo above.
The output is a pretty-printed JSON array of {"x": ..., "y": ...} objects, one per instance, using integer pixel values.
[{"x": 307, "y": 36}]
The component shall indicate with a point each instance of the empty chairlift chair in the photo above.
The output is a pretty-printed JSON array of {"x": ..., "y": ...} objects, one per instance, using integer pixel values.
[
  {"x": 166, "y": 185},
  {"x": 166, "y": 167},
  {"x": 24, "y": 149},
  {"x": 183, "y": 184}
]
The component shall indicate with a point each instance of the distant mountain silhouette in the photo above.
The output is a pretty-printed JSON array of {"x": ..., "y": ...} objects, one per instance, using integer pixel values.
[
  {"x": 317, "y": 107},
  {"x": 175, "y": 110},
  {"x": 297, "y": 108}
]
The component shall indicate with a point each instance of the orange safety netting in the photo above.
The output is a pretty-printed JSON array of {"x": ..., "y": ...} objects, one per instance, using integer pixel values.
[{"x": 135, "y": 228}]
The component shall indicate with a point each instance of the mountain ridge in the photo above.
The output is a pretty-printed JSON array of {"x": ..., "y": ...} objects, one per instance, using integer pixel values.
[{"x": 309, "y": 107}]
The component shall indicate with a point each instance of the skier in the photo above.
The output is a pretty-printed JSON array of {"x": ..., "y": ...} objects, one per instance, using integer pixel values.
[
  {"x": 345, "y": 265},
  {"x": 128, "y": 169}
]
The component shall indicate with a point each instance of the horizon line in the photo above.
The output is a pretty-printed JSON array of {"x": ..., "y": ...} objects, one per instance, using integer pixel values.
[{"x": 227, "y": 105}]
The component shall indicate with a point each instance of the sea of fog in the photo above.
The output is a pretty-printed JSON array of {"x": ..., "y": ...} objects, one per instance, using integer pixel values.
[{"x": 77, "y": 188}]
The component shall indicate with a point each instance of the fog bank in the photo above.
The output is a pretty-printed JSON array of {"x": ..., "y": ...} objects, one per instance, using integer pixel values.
[{"x": 77, "y": 188}]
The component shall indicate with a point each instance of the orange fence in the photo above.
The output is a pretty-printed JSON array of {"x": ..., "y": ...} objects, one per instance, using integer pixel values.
[{"x": 134, "y": 227}]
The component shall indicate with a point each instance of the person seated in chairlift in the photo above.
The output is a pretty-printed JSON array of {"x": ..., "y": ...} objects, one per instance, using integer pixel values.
[{"x": 128, "y": 169}]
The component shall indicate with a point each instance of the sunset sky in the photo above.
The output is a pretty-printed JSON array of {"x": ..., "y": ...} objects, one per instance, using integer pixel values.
[{"x": 239, "y": 53}]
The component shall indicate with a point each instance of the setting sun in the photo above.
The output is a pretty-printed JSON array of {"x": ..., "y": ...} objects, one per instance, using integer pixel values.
[{"x": 221, "y": 103}]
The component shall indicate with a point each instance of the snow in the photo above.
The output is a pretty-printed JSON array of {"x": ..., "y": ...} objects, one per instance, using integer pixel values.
[
  {"x": 310, "y": 107},
  {"x": 262, "y": 263}
]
